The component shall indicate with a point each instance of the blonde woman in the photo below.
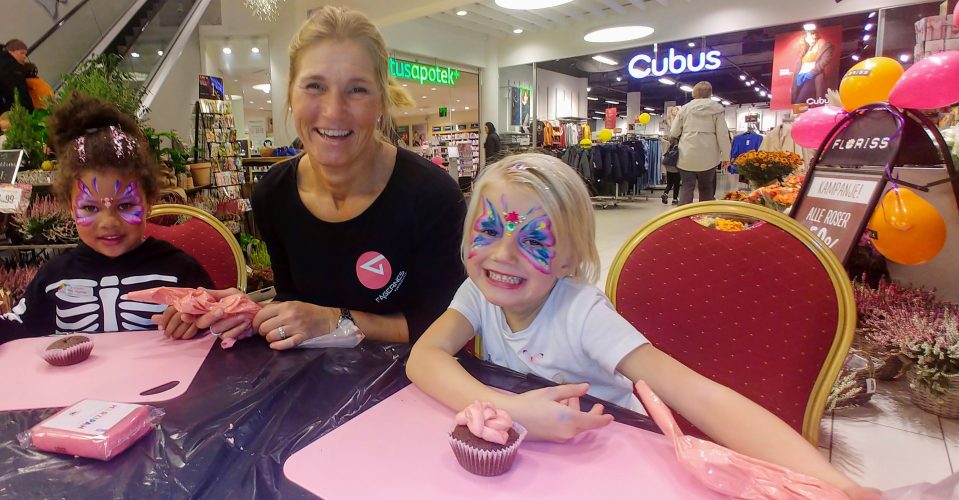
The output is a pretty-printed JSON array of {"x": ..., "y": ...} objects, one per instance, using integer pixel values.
[
  {"x": 704, "y": 144},
  {"x": 356, "y": 228}
]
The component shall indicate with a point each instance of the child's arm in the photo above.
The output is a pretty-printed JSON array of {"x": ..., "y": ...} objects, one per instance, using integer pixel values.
[
  {"x": 551, "y": 413},
  {"x": 729, "y": 418}
]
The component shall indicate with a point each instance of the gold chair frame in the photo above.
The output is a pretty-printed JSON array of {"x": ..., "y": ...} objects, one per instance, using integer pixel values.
[
  {"x": 842, "y": 287},
  {"x": 175, "y": 209}
]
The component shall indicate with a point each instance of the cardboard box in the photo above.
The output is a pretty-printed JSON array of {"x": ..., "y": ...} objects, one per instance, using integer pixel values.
[{"x": 935, "y": 28}]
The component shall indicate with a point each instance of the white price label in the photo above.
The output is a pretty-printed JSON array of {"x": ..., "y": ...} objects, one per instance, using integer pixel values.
[{"x": 10, "y": 199}]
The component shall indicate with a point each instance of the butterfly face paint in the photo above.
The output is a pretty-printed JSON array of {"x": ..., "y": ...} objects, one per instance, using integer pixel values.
[
  {"x": 535, "y": 236},
  {"x": 90, "y": 203}
]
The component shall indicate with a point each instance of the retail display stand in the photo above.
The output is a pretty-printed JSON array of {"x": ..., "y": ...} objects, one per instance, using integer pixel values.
[
  {"x": 851, "y": 168},
  {"x": 215, "y": 141},
  {"x": 465, "y": 139}
]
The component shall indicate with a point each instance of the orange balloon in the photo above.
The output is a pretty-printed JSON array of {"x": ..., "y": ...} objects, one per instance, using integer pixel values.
[
  {"x": 906, "y": 228},
  {"x": 869, "y": 81}
]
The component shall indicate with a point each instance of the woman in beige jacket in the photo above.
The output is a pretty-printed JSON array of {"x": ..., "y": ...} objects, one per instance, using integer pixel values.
[{"x": 704, "y": 143}]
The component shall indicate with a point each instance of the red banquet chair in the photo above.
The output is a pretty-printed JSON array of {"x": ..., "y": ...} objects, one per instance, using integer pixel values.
[
  {"x": 767, "y": 311},
  {"x": 203, "y": 237}
]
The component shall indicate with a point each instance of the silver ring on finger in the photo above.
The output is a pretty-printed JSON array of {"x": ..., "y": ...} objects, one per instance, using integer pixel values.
[
  {"x": 214, "y": 333},
  {"x": 282, "y": 332}
]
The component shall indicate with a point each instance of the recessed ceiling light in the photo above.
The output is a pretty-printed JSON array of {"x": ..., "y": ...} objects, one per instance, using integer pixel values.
[
  {"x": 769, "y": 95},
  {"x": 752, "y": 82},
  {"x": 457, "y": 100},
  {"x": 809, "y": 26},
  {"x": 424, "y": 97},
  {"x": 251, "y": 102},
  {"x": 855, "y": 57},
  {"x": 269, "y": 101},
  {"x": 518, "y": 30},
  {"x": 742, "y": 77},
  {"x": 612, "y": 102},
  {"x": 467, "y": 108},
  {"x": 227, "y": 50},
  {"x": 159, "y": 52},
  {"x": 432, "y": 88},
  {"x": 904, "y": 57},
  {"x": 262, "y": 87},
  {"x": 726, "y": 103},
  {"x": 605, "y": 60},
  {"x": 235, "y": 81},
  {"x": 591, "y": 98},
  {"x": 454, "y": 109},
  {"x": 406, "y": 85},
  {"x": 667, "y": 81},
  {"x": 255, "y": 50},
  {"x": 588, "y": 89},
  {"x": 618, "y": 34},
  {"x": 691, "y": 44},
  {"x": 134, "y": 54},
  {"x": 461, "y": 13},
  {"x": 866, "y": 37},
  {"x": 600, "y": 112},
  {"x": 619, "y": 78},
  {"x": 648, "y": 108},
  {"x": 872, "y": 15},
  {"x": 406, "y": 112},
  {"x": 715, "y": 98},
  {"x": 867, "y": 27},
  {"x": 762, "y": 93},
  {"x": 685, "y": 88},
  {"x": 530, "y": 4}
]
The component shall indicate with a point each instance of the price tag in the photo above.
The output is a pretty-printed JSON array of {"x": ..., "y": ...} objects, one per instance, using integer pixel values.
[{"x": 10, "y": 199}]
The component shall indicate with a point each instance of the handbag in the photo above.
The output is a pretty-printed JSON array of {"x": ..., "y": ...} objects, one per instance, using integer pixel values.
[{"x": 671, "y": 157}]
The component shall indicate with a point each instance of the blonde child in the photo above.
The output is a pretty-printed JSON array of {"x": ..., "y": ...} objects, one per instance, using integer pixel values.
[
  {"x": 529, "y": 248},
  {"x": 108, "y": 179}
]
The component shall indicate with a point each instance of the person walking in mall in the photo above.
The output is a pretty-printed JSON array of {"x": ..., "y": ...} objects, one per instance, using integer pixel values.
[
  {"x": 13, "y": 76},
  {"x": 356, "y": 228},
  {"x": 40, "y": 90},
  {"x": 704, "y": 144},
  {"x": 492, "y": 145}
]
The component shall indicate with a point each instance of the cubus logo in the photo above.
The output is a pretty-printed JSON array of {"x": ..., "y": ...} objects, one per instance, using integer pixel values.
[
  {"x": 641, "y": 65},
  {"x": 422, "y": 73}
]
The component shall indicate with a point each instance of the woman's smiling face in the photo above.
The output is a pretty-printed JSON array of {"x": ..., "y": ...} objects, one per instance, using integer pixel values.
[{"x": 336, "y": 103}]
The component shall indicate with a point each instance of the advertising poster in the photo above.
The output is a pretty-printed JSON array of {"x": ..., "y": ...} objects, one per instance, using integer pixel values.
[
  {"x": 403, "y": 131},
  {"x": 211, "y": 87},
  {"x": 519, "y": 112},
  {"x": 805, "y": 64},
  {"x": 419, "y": 134}
]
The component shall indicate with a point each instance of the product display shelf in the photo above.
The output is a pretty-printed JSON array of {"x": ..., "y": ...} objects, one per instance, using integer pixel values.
[
  {"x": 216, "y": 142},
  {"x": 467, "y": 135}
]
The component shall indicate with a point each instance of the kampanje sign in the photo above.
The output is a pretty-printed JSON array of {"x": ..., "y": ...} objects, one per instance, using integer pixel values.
[
  {"x": 642, "y": 65},
  {"x": 408, "y": 70}
]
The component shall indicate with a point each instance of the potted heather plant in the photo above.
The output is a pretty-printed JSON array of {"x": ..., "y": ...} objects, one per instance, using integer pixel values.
[
  {"x": 932, "y": 342},
  {"x": 45, "y": 222},
  {"x": 13, "y": 284}
]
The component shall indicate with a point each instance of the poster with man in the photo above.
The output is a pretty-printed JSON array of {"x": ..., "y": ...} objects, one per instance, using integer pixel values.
[{"x": 805, "y": 65}]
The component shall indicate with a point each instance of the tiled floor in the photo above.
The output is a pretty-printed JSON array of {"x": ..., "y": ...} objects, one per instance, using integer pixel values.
[{"x": 886, "y": 443}]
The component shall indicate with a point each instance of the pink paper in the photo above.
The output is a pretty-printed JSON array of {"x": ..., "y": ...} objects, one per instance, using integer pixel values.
[
  {"x": 121, "y": 366},
  {"x": 198, "y": 301},
  {"x": 403, "y": 443},
  {"x": 731, "y": 473}
]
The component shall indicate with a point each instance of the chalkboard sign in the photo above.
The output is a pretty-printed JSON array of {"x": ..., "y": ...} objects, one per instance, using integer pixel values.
[{"x": 10, "y": 160}]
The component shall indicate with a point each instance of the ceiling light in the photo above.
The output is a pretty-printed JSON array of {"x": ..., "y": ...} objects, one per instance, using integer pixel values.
[
  {"x": 269, "y": 101},
  {"x": 762, "y": 93},
  {"x": 618, "y": 34},
  {"x": 591, "y": 98},
  {"x": 667, "y": 81},
  {"x": 600, "y": 112},
  {"x": 530, "y": 4},
  {"x": 467, "y": 108},
  {"x": 251, "y": 102},
  {"x": 867, "y": 27},
  {"x": 769, "y": 95},
  {"x": 715, "y": 98},
  {"x": 809, "y": 26},
  {"x": 691, "y": 44},
  {"x": 235, "y": 81},
  {"x": 159, "y": 52},
  {"x": 685, "y": 88},
  {"x": 406, "y": 113},
  {"x": 227, "y": 50},
  {"x": 742, "y": 77},
  {"x": 726, "y": 103},
  {"x": 517, "y": 30},
  {"x": 647, "y": 108},
  {"x": 432, "y": 88},
  {"x": 424, "y": 97},
  {"x": 255, "y": 50},
  {"x": 588, "y": 89},
  {"x": 262, "y": 87},
  {"x": 752, "y": 82},
  {"x": 134, "y": 54},
  {"x": 904, "y": 57},
  {"x": 872, "y": 15},
  {"x": 457, "y": 100},
  {"x": 749, "y": 84},
  {"x": 406, "y": 85},
  {"x": 855, "y": 57},
  {"x": 605, "y": 60},
  {"x": 461, "y": 13},
  {"x": 619, "y": 78},
  {"x": 866, "y": 37},
  {"x": 454, "y": 109},
  {"x": 611, "y": 102}
]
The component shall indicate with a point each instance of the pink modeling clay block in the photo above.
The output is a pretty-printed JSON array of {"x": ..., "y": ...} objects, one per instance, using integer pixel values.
[
  {"x": 199, "y": 301},
  {"x": 93, "y": 429}
]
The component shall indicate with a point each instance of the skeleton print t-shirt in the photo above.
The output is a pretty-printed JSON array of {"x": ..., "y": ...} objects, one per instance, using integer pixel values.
[{"x": 84, "y": 291}]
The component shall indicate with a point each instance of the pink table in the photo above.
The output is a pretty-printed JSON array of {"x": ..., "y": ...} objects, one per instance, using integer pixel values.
[
  {"x": 398, "y": 449},
  {"x": 122, "y": 367}
]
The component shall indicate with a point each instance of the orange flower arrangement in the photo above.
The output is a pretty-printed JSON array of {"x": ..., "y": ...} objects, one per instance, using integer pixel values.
[{"x": 763, "y": 167}]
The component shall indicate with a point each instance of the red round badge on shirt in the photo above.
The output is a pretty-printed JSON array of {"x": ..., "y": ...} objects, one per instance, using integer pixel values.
[{"x": 373, "y": 270}]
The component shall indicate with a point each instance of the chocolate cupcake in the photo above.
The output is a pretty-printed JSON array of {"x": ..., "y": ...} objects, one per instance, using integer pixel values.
[
  {"x": 485, "y": 440},
  {"x": 68, "y": 350}
]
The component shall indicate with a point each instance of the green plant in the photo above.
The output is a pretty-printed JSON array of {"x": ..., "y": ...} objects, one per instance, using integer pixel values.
[
  {"x": 102, "y": 77},
  {"x": 27, "y": 133},
  {"x": 172, "y": 155}
]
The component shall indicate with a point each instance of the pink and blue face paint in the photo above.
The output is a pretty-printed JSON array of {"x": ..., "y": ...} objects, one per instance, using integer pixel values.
[
  {"x": 89, "y": 203},
  {"x": 488, "y": 227},
  {"x": 537, "y": 243},
  {"x": 536, "y": 239}
]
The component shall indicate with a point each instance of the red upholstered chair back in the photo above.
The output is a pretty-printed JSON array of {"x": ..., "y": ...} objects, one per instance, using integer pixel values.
[
  {"x": 767, "y": 311},
  {"x": 203, "y": 237}
]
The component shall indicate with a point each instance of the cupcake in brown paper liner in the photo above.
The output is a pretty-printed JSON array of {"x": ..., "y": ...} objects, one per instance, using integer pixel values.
[
  {"x": 68, "y": 350},
  {"x": 485, "y": 440}
]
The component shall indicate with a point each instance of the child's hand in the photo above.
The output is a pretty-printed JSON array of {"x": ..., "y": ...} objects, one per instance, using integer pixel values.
[
  {"x": 553, "y": 414},
  {"x": 172, "y": 325},
  {"x": 225, "y": 327}
]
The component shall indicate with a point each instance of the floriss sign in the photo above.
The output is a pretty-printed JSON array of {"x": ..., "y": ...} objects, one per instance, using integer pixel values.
[
  {"x": 642, "y": 65},
  {"x": 422, "y": 73}
]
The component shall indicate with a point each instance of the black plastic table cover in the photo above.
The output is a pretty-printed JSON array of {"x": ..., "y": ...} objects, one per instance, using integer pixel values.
[{"x": 247, "y": 410}]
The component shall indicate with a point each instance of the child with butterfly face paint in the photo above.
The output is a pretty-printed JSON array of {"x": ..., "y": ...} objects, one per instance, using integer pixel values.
[
  {"x": 107, "y": 179},
  {"x": 530, "y": 252}
]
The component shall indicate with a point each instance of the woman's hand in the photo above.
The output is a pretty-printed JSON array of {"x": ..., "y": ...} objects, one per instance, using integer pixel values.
[
  {"x": 288, "y": 324},
  {"x": 553, "y": 414}
]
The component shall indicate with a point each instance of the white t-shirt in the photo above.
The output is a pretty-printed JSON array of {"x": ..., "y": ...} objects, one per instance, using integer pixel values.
[{"x": 576, "y": 337}]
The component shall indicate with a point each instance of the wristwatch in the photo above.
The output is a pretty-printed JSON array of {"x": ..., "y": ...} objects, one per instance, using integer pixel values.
[{"x": 345, "y": 314}]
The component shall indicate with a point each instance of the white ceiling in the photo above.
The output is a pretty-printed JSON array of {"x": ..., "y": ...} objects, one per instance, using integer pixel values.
[
  {"x": 241, "y": 69},
  {"x": 429, "y": 98}
]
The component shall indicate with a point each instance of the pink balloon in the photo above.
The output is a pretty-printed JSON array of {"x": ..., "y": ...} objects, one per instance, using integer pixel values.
[
  {"x": 930, "y": 83},
  {"x": 812, "y": 127}
]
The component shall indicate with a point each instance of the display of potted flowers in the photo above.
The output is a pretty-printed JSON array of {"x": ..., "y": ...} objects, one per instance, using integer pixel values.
[
  {"x": 763, "y": 167},
  {"x": 932, "y": 342},
  {"x": 13, "y": 284},
  {"x": 45, "y": 222}
]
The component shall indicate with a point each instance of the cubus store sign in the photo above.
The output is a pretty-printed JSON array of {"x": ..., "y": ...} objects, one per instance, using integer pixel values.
[
  {"x": 643, "y": 65},
  {"x": 847, "y": 176}
]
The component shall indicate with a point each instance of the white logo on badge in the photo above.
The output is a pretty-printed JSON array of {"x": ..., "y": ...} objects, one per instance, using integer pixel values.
[{"x": 368, "y": 265}]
